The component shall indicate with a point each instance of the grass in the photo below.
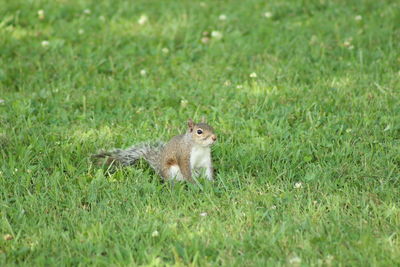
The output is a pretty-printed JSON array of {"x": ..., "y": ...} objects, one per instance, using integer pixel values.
[{"x": 308, "y": 155}]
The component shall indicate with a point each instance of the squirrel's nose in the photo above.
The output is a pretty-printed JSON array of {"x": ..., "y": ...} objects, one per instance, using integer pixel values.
[{"x": 214, "y": 137}]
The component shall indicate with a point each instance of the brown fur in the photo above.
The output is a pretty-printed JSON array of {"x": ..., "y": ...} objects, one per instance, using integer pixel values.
[{"x": 162, "y": 156}]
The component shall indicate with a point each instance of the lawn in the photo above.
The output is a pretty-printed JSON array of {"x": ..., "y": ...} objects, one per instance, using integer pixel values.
[{"x": 304, "y": 96}]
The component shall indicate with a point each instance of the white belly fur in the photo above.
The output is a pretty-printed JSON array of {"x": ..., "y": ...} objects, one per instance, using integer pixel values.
[{"x": 200, "y": 158}]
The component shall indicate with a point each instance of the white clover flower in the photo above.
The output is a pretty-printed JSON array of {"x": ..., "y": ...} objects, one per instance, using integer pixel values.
[
  {"x": 143, "y": 72},
  {"x": 81, "y": 31},
  {"x": 45, "y": 43},
  {"x": 295, "y": 260},
  {"x": 40, "y": 14},
  {"x": 155, "y": 233},
  {"x": 87, "y": 11},
  {"x": 143, "y": 19},
  {"x": 184, "y": 103},
  {"x": 253, "y": 75},
  {"x": 203, "y": 214},
  {"x": 329, "y": 260},
  {"x": 165, "y": 50},
  {"x": 358, "y": 17},
  {"x": 216, "y": 35},
  {"x": 268, "y": 14},
  {"x": 298, "y": 185},
  {"x": 222, "y": 17},
  {"x": 273, "y": 207},
  {"x": 239, "y": 86},
  {"x": 347, "y": 42}
]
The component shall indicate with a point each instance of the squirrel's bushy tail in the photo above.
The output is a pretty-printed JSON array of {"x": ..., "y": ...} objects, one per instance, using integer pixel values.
[{"x": 150, "y": 152}]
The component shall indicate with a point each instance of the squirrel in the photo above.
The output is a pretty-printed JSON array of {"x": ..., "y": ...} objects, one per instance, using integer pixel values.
[{"x": 184, "y": 157}]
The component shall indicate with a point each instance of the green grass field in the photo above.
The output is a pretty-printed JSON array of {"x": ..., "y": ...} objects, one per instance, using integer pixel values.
[{"x": 305, "y": 98}]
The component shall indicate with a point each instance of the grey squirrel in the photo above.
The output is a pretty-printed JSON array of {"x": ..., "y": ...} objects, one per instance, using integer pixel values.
[{"x": 185, "y": 156}]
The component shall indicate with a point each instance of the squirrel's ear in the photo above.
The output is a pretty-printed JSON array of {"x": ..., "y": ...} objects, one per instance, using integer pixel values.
[
  {"x": 190, "y": 124},
  {"x": 203, "y": 119}
]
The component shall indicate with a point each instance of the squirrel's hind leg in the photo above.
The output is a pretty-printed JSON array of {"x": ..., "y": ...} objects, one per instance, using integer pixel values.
[{"x": 175, "y": 173}]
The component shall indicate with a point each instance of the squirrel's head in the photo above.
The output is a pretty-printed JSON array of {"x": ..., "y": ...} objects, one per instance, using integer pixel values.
[{"x": 202, "y": 133}]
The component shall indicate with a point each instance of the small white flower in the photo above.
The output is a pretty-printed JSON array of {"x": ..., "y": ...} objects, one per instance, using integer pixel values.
[
  {"x": 358, "y": 17},
  {"x": 239, "y": 86},
  {"x": 203, "y": 214},
  {"x": 253, "y": 75},
  {"x": 295, "y": 260},
  {"x": 143, "y": 19},
  {"x": 155, "y": 233},
  {"x": 165, "y": 50},
  {"x": 268, "y": 14},
  {"x": 102, "y": 18},
  {"x": 15, "y": 169},
  {"x": 227, "y": 83},
  {"x": 40, "y": 14},
  {"x": 81, "y": 31},
  {"x": 273, "y": 207},
  {"x": 216, "y": 34},
  {"x": 329, "y": 260},
  {"x": 347, "y": 42},
  {"x": 139, "y": 110},
  {"x": 298, "y": 185},
  {"x": 222, "y": 17},
  {"x": 45, "y": 43},
  {"x": 2, "y": 101},
  {"x": 315, "y": 202},
  {"x": 184, "y": 103},
  {"x": 143, "y": 72},
  {"x": 87, "y": 11}
]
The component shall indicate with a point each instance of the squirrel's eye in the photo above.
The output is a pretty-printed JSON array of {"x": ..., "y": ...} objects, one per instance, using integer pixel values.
[{"x": 199, "y": 131}]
